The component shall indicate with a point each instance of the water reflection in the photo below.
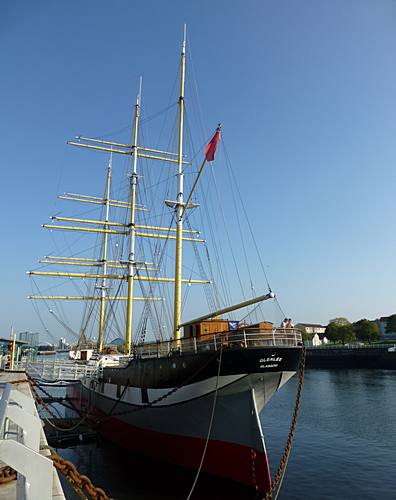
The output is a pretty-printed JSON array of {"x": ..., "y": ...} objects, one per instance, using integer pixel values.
[{"x": 124, "y": 475}]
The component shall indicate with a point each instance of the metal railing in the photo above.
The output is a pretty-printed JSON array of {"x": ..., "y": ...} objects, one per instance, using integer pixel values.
[
  {"x": 56, "y": 370},
  {"x": 20, "y": 430},
  {"x": 287, "y": 337},
  {"x": 62, "y": 370},
  {"x": 337, "y": 347}
]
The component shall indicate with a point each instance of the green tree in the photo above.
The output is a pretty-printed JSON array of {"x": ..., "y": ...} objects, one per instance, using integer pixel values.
[
  {"x": 366, "y": 330},
  {"x": 341, "y": 321},
  {"x": 391, "y": 324},
  {"x": 304, "y": 333},
  {"x": 346, "y": 333},
  {"x": 331, "y": 332},
  {"x": 340, "y": 330}
]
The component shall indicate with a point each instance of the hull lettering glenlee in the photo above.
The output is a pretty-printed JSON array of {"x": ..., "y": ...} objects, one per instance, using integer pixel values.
[{"x": 188, "y": 392}]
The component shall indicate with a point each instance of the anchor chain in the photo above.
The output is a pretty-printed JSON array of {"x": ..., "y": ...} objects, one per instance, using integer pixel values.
[
  {"x": 160, "y": 398},
  {"x": 39, "y": 399},
  {"x": 7, "y": 474},
  {"x": 82, "y": 484},
  {"x": 277, "y": 481}
]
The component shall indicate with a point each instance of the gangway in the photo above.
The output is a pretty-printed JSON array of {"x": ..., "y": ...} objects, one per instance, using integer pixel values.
[{"x": 57, "y": 370}]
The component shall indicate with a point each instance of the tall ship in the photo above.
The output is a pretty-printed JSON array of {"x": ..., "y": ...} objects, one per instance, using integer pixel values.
[{"x": 186, "y": 391}]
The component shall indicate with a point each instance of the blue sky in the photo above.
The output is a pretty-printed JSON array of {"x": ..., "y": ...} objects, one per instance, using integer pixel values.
[{"x": 306, "y": 93}]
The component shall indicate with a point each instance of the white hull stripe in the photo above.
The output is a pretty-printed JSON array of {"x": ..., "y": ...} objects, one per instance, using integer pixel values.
[{"x": 139, "y": 396}]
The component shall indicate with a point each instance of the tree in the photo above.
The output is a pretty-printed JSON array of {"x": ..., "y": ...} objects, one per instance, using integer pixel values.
[
  {"x": 307, "y": 336},
  {"x": 331, "y": 332},
  {"x": 341, "y": 321},
  {"x": 346, "y": 333},
  {"x": 340, "y": 329},
  {"x": 391, "y": 324},
  {"x": 304, "y": 333},
  {"x": 366, "y": 330}
]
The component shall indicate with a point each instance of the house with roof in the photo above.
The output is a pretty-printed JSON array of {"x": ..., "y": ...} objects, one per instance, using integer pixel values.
[
  {"x": 317, "y": 331},
  {"x": 312, "y": 327}
]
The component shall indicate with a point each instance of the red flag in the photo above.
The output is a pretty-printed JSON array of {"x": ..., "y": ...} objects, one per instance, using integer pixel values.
[{"x": 210, "y": 149}]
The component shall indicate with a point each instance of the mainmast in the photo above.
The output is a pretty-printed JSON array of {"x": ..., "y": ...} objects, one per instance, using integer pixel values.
[
  {"x": 104, "y": 259},
  {"x": 179, "y": 200},
  {"x": 132, "y": 238}
]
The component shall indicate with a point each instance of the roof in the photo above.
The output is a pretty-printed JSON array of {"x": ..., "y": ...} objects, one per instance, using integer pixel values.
[{"x": 316, "y": 325}]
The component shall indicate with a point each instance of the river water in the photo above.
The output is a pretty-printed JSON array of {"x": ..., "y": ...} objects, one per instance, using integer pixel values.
[{"x": 344, "y": 448}]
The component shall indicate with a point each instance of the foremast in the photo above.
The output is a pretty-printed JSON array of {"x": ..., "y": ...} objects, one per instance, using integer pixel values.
[
  {"x": 179, "y": 201},
  {"x": 103, "y": 286},
  {"x": 132, "y": 237}
]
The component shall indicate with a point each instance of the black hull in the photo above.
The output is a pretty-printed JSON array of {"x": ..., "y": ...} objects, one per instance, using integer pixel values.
[{"x": 190, "y": 368}]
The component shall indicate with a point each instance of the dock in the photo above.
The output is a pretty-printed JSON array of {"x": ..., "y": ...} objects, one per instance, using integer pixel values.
[{"x": 23, "y": 444}]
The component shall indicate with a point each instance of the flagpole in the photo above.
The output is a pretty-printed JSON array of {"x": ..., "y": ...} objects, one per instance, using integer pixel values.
[
  {"x": 209, "y": 156},
  {"x": 193, "y": 188}
]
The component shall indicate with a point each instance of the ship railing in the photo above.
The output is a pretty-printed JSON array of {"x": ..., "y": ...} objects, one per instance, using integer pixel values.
[
  {"x": 248, "y": 338},
  {"x": 56, "y": 370}
]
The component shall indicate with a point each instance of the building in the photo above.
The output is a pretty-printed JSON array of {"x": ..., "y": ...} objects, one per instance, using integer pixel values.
[
  {"x": 6, "y": 348},
  {"x": 312, "y": 328},
  {"x": 382, "y": 324},
  {"x": 32, "y": 338},
  {"x": 317, "y": 331},
  {"x": 63, "y": 345}
]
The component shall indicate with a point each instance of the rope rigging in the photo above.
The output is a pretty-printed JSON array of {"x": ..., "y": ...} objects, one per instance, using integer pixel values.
[{"x": 153, "y": 183}]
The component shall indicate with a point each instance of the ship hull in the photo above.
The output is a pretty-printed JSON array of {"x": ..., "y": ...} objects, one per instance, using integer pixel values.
[{"x": 173, "y": 423}]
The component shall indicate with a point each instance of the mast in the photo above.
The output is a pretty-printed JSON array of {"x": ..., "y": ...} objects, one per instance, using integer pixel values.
[
  {"x": 104, "y": 260},
  {"x": 179, "y": 200},
  {"x": 132, "y": 237}
]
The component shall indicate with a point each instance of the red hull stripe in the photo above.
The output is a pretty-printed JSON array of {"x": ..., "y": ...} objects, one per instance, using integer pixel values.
[{"x": 228, "y": 460}]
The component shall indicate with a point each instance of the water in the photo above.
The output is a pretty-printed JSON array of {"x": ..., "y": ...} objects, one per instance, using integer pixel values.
[
  {"x": 345, "y": 444},
  {"x": 344, "y": 448}
]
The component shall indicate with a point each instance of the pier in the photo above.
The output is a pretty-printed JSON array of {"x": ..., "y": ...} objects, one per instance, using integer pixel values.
[{"x": 23, "y": 445}]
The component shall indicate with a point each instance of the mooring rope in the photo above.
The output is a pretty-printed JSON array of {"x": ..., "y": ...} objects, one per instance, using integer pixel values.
[{"x": 210, "y": 426}]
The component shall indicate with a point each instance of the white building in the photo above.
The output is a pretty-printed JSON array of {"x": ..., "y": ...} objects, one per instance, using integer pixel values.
[
  {"x": 312, "y": 328},
  {"x": 317, "y": 331},
  {"x": 319, "y": 339}
]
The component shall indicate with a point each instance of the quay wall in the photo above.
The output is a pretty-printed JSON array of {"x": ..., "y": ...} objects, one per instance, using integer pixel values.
[{"x": 339, "y": 357}]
